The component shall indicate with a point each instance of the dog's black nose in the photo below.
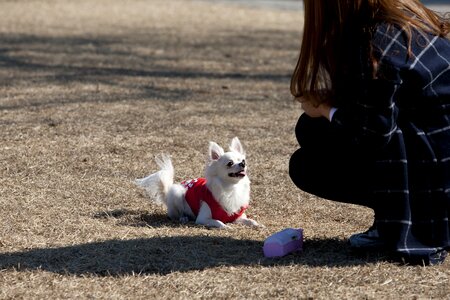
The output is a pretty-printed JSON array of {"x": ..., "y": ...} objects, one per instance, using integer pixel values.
[{"x": 242, "y": 164}]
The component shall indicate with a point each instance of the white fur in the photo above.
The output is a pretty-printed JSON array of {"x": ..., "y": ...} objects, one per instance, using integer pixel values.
[{"x": 231, "y": 192}]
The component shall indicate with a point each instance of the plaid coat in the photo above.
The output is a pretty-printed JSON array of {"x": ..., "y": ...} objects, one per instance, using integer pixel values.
[{"x": 401, "y": 121}]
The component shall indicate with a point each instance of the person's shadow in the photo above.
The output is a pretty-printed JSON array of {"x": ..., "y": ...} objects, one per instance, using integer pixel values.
[{"x": 165, "y": 254}]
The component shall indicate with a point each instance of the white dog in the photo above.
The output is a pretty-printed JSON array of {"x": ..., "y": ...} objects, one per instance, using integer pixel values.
[{"x": 222, "y": 197}]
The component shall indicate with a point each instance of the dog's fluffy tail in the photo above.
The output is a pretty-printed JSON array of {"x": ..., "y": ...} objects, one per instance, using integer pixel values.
[{"x": 157, "y": 185}]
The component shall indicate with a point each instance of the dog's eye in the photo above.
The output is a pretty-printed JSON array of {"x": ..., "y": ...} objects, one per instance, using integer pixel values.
[{"x": 229, "y": 164}]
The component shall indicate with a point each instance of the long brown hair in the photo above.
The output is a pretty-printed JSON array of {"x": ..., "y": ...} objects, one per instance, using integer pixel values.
[{"x": 329, "y": 24}]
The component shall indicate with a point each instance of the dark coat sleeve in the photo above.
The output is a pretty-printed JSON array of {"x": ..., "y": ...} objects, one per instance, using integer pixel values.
[{"x": 367, "y": 113}]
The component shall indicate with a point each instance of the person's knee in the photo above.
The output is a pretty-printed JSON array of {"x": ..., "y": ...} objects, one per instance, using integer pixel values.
[
  {"x": 304, "y": 173},
  {"x": 312, "y": 132},
  {"x": 302, "y": 128},
  {"x": 296, "y": 169}
]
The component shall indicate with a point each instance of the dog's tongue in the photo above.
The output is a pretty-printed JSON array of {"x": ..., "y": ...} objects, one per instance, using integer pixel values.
[{"x": 237, "y": 174}]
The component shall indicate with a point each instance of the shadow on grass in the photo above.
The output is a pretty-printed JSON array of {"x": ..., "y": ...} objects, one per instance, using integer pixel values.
[
  {"x": 139, "y": 218},
  {"x": 163, "y": 255},
  {"x": 114, "y": 64}
]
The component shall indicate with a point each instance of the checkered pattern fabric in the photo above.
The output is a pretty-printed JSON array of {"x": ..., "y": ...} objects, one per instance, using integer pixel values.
[{"x": 401, "y": 119}]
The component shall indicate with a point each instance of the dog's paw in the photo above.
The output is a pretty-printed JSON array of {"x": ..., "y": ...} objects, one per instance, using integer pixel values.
[
  {"x": 221, "y": 227},
  {"x": 249, "y": 222},
  {"x": 260, "y": 225},
  {"x": 253, "y": 223},
  {"x": 211, "y": 223},
  {"x": 226, "y": 227}
]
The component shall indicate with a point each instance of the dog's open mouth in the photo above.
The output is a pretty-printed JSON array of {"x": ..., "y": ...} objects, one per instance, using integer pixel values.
[{"x": 237, "y": 174}]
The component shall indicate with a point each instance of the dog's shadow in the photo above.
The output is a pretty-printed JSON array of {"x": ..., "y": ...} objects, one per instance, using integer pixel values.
[
  {"x": 166, "y": 254},
  {"x": 138, "y": 218}
]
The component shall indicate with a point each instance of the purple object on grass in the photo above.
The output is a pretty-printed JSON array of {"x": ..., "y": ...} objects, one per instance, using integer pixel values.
[{"x": 283, "y": 242}]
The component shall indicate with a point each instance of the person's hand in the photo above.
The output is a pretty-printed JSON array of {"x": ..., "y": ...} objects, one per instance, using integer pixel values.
[{"x": 313, "y": 110}]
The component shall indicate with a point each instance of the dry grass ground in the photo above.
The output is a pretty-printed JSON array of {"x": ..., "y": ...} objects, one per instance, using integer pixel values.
[{"x": 91, "y": 91}]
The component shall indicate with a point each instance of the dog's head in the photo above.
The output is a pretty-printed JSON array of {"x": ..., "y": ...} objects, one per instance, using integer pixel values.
[{"x": 228, "y": 166}]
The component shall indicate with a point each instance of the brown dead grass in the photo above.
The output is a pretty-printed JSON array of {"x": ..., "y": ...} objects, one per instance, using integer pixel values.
[{"x": 91, "y": 91}]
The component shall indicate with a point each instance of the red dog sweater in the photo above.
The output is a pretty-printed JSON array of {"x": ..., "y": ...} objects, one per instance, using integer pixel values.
[{"x": 197, "y": 191}]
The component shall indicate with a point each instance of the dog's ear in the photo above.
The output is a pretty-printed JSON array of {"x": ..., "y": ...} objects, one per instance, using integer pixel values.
[
  {"x": 215, "y": 151},
  {"x": 237, "y": 146}
]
